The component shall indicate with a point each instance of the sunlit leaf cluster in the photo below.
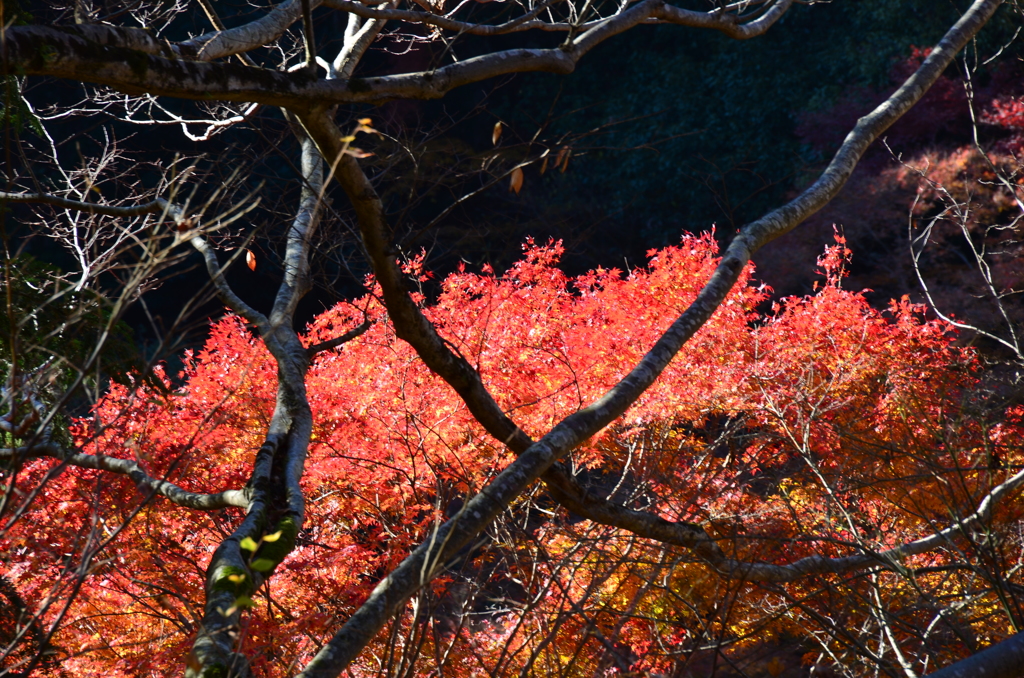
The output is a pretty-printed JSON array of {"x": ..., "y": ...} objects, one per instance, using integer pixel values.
[{"x": 811, "y": 426}]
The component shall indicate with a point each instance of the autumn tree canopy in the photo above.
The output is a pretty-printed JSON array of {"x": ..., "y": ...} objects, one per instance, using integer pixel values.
[
  {"x": 822, "y": 437},
  {"x": 655, "y": 470}
]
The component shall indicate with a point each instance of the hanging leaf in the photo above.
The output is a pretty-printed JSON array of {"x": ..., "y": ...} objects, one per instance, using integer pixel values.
[
  {"x": 561, "y": 155},
  {"x": 357, "y": 152},
  {"x": 544, "y": 165},
  {"x": 363, "y": 125},
  {"x": 496, "y": 134},
  {"x": 250, "y": 260},
  {"x": 516, "y": 183},
  {"x": 262, "y": 564},
  {"x": 563, "y": 159}
]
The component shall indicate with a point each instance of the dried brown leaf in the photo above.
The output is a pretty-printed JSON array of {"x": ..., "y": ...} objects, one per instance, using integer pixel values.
[{"x": 516, "y": 182}]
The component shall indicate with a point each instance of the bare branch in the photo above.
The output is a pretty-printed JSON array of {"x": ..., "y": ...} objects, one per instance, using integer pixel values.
[
  {"x": 246, "y": 37},
  {"x": 522, "y": 23},
  {"x": 70, "y": 55},
  {"x": 215, "y": 642},
  {"x": 296, "y": 257},
  {"x": 146, "y": 482},
  {"x": 156, "y": 70},
  {"x": 338, "y": 341},
  {"x": 153, "y": 207},
  {"x": 730, "y": 24},
  {"x": 890, "y": 558},
  {"x": 224, "y": 291},
  {"x": 1002, "y": 660},
  {"x": 355, "y": 47},
  {"x": 278, "y": 494}
]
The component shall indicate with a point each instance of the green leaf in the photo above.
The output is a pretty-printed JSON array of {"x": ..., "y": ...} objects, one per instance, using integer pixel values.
[
  {"x": 263, "y": 564},
  {"x": 248, "y": 544}
]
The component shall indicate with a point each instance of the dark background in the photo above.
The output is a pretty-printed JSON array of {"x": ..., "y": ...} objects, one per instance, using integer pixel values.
[{"x": 672, "y": 130}]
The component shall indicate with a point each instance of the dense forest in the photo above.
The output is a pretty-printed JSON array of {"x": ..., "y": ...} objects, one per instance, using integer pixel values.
[{"x": 512, "y": 338}]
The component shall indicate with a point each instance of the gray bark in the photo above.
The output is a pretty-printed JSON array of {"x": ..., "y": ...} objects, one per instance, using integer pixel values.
[
  {"x": 277, "y": 503},
  {"x": 1002, "y": 660},
  {"x": 126, "y": 467},
  {"x": 133, "y": 62}
]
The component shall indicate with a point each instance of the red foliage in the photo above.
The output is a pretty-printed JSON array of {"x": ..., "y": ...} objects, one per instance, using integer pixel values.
[
  {"x": 1008, "y": 112},
  {"x": 818, "y": 428}
]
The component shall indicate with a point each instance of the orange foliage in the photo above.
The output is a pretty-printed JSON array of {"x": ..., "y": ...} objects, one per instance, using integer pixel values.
[{"x": 820, "y": 427}]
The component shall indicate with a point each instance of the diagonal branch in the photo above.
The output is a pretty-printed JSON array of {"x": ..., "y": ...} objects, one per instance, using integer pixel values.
[
  {"x": 766, "y": 572},
  {"x": 224, "y": 291},
  {"x": 1002, "y": 660},
  {"x": 338, "y": 341},
  {"x": 248, "y": 36},
  {"x": 430, "y": 558},
  {"x": 144, "y": 481},
  {"x": 357, "y": 41}
]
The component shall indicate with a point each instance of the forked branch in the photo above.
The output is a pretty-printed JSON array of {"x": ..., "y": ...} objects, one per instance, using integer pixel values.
[
  {"x": 432, "y": 556},
  {"x": 132, "y": 61}
]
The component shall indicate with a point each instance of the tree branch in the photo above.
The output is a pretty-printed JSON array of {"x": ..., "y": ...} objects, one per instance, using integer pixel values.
[
  {"x": 158, "y": 206},
  {"x": 338, "y": 341},
  {"x": 153, "y": 207},
  {"x": 64, "y": 52},
  {"x": 278, "y": 503},
  {"x": 730, "y": 24},
  {"x": 246, "y": 37},
  {"x": 522, "y": 23},
  {"x": 100, "y": 462},
  {"x": 356, "y": 43},
  {"x": 1002, "y": 660},
  {"x": 431, "y": 556},
  {"x": 295, "y": 282},
  {"x": 214, "y": 646},
  {"x": 131, "y": 61},
  {"x": 766, "y": 572},
  {"x": 224, "y": 291}
]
